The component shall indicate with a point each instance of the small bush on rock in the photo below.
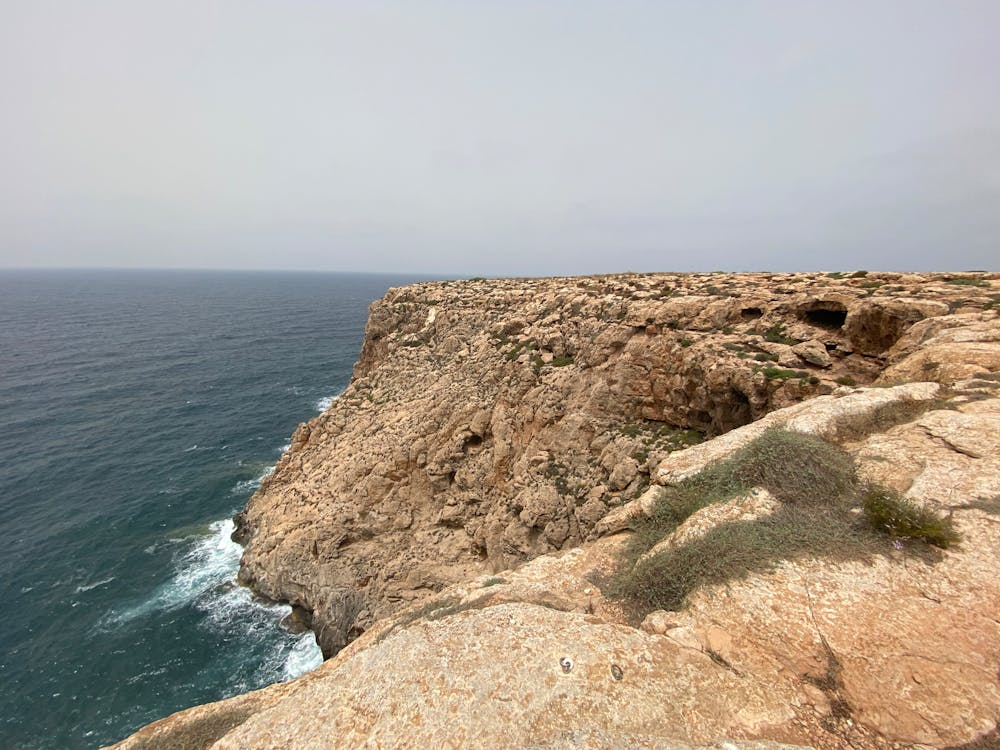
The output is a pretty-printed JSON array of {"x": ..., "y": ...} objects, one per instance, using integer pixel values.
[
  {"x": 898, "y": 517},
  {"x": 816, "y": 485}
]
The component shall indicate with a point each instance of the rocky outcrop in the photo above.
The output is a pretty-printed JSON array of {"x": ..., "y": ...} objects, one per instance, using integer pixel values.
[
  {"x": 489, "y": 422},
  {"x": 455, "y": 520}
]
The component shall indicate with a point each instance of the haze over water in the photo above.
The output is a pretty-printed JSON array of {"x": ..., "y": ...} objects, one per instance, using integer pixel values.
[{"x": 139, "y": 412}]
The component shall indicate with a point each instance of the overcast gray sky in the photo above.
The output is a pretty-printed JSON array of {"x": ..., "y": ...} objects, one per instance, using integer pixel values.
[{"x": 507, "y": 137}]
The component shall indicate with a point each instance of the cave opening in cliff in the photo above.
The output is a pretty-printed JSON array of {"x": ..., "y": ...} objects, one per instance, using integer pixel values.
[
  {"x": 751, "y": 313},
  {"x": 741, "y": 413},
  {"x": 831, "y": 316}
]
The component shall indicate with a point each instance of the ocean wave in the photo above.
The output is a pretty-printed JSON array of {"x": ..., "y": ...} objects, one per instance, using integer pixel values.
[
  {"x": 326, "y": 402},
  {"x": 250, "y": 485},
  {"x": 205, "y": 578},
  {"x": 303, "y": 657},
  {"x": 207, "y": 564},
  {"x": 244, "y": 487},
  {"x": 90, "y": 586},
  {"x": 235, "y": 610}
]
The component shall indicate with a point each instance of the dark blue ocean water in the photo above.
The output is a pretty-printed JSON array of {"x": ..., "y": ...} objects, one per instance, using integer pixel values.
[{"x": 138, "y": 412}]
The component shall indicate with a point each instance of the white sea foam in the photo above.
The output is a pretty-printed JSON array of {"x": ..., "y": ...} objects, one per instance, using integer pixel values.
[
  {"x": 247, "y": 485},
  {"x": 285, "y": 448},
  {"x": 237, "y": 611},
  {"x": 205, "y": 577},
  {"x": 208, "y": 563},
  {"x": 94, "y": 585},
  {"x": 198, "y": 447},
  {"x": 325, "y": 403},
  {"x": 251, "y": 485},
  {"x": 304, "y": 657}
]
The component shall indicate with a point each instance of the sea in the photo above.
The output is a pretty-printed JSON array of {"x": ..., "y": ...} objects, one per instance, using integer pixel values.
[{"x": 139, "y": 410}]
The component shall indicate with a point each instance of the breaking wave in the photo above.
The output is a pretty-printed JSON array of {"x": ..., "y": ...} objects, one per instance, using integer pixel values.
[
  {"x": 204, "y": 578},
  {"x": 326, "y": 402}
]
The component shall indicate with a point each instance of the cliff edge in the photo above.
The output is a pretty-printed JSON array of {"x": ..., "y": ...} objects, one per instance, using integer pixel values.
[{"x": 461, "y": 525}]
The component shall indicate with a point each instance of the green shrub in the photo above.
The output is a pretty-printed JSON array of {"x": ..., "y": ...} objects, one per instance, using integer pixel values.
[
  {"x": 777, "y": 373},
  {"x": 514, "y": 352},
  {"x": 846, "y": 380},
  {"x": 734, "y": 550},
  {"x": 968, "y": 282},
  {"x": 821, "y": 470},
  {"x": 793, "y": 467},
  {"x": 898, "y": 517},
  {"x": 816, "y": 484},
  {"x": 776, "y": 335},
  {"x": 562, "y": 361},
  {"x": 686, "y": 343}
]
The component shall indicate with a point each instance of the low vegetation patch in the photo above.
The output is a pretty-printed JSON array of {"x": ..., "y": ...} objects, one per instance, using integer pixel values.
[
  {"x": 898, "y": 517},
  {"x": 660, "y": 436},
  {"x": 777, "y": 373},
  {"x": 515, "y": 351},
  {"x": 776, "y": 335},
  {"x": 965, "y": 281},
  {"x": 816, "y": 485}
]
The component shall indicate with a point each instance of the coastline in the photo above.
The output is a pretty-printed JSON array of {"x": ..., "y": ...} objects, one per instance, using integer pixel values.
[{"x": 499, "y": 436}]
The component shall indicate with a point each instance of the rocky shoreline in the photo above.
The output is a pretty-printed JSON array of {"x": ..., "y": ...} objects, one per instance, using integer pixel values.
[{"x": 453, "y": 518}]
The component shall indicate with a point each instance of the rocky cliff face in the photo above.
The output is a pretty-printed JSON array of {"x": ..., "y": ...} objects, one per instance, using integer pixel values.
[{"x": 490, "y": 423}]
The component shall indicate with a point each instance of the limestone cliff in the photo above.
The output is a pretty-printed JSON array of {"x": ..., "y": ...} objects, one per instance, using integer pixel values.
[{"x": 490, "y": 423}]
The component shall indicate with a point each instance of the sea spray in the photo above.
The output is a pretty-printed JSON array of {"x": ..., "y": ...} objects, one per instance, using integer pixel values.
[{"x": 327, "y": 401}]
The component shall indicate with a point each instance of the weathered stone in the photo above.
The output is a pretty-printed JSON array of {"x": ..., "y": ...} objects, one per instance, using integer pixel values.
[
  {"x": 423, "y": 459},
  {"x": 814, "y": 352},
  {"x": 489, "y": 423},
  {"x": 623, "y": 474}
]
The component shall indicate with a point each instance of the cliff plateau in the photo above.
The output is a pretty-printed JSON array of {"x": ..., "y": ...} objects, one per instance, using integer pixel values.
[{"x": 453, "y": 525}]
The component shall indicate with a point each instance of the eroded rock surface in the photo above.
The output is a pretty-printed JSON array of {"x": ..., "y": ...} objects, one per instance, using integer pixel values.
[
  {"x": 404, "y": 515},
  {"x": 489, "y": 422}
]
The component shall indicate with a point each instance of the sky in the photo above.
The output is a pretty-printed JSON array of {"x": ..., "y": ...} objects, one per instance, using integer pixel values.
[{"x": 500, "y": 138}]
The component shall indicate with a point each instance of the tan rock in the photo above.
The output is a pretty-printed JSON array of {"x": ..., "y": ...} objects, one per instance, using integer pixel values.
[
  {"x": 947, "y": 349},
  {"x": 403, "y": 518},
  {"x": 813, "y": 352},
  {"x": 848, "y": 414}
]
